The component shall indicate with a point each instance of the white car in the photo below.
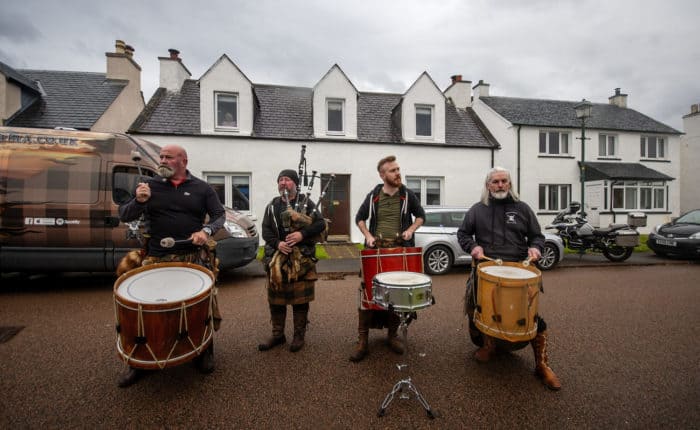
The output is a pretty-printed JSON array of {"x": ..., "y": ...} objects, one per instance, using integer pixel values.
[{"x": 438, "y": 238}]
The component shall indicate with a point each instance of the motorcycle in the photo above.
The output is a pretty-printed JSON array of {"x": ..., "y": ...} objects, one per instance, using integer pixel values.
[{"x": 616, "y": 242}]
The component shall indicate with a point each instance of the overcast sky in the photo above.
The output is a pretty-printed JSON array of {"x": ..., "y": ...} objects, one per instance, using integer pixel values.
[{"x": 562, "y": 50}]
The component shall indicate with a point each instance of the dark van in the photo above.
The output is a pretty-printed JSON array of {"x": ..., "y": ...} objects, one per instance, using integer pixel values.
[{"x": 59, "y": 196}]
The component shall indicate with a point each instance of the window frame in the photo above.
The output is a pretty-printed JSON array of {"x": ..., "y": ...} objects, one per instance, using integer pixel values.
[
  {"x": 659, "y": 142},
  {"x": 423, "y": 192},
  {"x": 633, "y": 191},
  {"x": 217, "y": 124},
  {"x": 548, "y": 143},
  {"x": 340, "y": 132},
  {"x": 431, "y": 115},
  {"x": 548, "y": 189},
  {"x": 607, "y": 143},
  {"x": 228, "y": 188}
]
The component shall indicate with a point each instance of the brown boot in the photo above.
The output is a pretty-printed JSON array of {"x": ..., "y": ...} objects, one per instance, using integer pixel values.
[
  {"x": 300, "y": 313},
  {"x": 278, "y": 314},
  {"x": 542, "y": 369},
  {"x": 485, "y": 353},
  {"x": 362, "y": 348},
  {"x": 393, "y": 340}
]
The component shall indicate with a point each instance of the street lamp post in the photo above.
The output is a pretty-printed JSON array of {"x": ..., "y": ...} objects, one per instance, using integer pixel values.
[{"x": 583, "y": 112}]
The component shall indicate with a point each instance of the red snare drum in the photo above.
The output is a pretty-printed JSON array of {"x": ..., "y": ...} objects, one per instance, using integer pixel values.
[{"x": 386, "y": 260}]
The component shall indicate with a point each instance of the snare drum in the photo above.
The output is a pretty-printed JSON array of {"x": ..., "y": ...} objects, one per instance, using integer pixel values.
[
  {"x": 507, "y": 299},
  {"x": 402, "y": 291},
  {"x": 381, "y": 260},
  {"x": 164, "y": 314}
]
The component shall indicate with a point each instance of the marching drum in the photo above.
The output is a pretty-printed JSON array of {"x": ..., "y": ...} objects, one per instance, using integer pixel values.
[
  {"x": 402, "y": 291},
  {"x": 506, "y": 302},
  {"x": 164, "y": 314},
  {"x": 386, "y": 260}
]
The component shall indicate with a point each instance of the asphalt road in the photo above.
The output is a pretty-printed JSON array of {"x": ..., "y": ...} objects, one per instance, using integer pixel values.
[{"x": 623, "y": 342}]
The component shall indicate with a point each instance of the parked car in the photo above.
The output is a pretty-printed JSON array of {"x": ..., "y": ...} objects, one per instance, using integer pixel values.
[
  {"x": 680, "y": 237},
  {"x": 438, "y": 238}
]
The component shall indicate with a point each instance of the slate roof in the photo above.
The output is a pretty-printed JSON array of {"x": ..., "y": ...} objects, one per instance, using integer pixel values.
[
  {"x": 555, "y": 113},
  {"x": 69, "y": 99},
  {"x": 18, "y": 77},
  {"x": 622, "y": 171},
  {"x": 287, "y": 113}
]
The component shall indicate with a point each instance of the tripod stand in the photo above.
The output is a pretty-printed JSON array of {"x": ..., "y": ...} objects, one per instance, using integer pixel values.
[{"x": 405, "y": 386}]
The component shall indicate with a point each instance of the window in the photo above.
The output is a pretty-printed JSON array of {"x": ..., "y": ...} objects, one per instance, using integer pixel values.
[
  {"x": 607, "y": 145},
  {"x": 428, "y": 190},
  {"x": 226, "y": 110},
  {"x": 639, "y": 196},
  {"x": 554, "y": 197},
  {"x": 554, "y": 143},
  {"x": 233, "y": 189},
  {"x": 424, "y": 121},
  {"x": 652, "y": 147},
  {"x": 335, "y": 116},
  {"x": 124, "y": 182}
]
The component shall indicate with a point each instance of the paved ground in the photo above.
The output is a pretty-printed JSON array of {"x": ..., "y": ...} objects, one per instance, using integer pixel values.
[{"x": 623, "y": 342}]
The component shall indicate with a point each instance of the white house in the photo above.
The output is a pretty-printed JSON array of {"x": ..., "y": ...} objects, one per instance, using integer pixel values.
[
  {"x": 240, "y": 134},
  {"x": 630, "y": 162}
]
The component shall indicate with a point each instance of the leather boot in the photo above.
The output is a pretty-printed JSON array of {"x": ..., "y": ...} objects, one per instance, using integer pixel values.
[
  {"x": 362, "y": 348},
  {"x": 205, "y": 361},
  {"x": 542, "y": 369},
  {"x": 393, "y": 340},
  {"x": 130, "y": 377},
  {"x": 300, "y": 314},
  {"x": 485, "y": 353},
  {"x": 278, "y": 315}
]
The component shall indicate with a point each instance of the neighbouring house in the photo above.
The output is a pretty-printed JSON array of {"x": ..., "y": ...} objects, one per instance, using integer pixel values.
[
  {"x": 240, "y": 134},
  {"x": 81, "y": 100},
  {"x": 630, "y": 162},
  {"x": 690, "y": 160}
]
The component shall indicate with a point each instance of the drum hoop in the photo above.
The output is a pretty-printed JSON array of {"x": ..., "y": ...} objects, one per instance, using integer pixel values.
[
  {"x": 407, "y": 287},
  {"x": 156, "y": 307},
  {"x": 153, "y": 307},
  {"x": 422, "y": 278},
  {"x": 507, "y": 281}
]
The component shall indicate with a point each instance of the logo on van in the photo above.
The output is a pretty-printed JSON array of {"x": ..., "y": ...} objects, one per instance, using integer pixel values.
[{"x": 50, "y": 221}]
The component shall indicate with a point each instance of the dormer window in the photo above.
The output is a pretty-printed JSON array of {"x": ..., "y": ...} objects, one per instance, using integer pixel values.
[
  {"x": 226, "y": 110},
  {"x": 424, "y": 121},
  {"x": 335, "y": 116}
]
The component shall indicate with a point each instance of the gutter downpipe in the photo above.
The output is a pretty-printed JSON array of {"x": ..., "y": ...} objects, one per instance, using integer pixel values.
[{"x": 518, "y": 164}]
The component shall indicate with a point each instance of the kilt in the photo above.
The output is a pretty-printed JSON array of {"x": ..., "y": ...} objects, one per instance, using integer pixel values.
[{"x": 291, "y": 293}]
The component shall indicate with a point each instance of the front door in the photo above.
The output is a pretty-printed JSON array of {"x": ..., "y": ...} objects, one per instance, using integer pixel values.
[{"x": 335, "y": 206}]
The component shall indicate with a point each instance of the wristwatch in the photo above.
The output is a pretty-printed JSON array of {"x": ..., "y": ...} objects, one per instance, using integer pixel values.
[{"x": 207, "y": 230}]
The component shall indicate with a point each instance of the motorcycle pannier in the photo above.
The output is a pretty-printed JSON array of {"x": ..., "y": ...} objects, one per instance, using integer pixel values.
[
  {"x": 637, "y": 219},
  {"x": 627, "y": 238}
]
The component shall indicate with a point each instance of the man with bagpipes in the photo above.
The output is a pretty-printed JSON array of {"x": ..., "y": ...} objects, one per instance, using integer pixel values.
[{"x": 291, "y": 228}]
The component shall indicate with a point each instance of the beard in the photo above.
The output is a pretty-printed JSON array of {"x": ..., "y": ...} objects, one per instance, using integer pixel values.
[
  {"x": 499, "y": 195},
  {"x": 396, "y": 182},
  {"x": 165, "y": 171}
]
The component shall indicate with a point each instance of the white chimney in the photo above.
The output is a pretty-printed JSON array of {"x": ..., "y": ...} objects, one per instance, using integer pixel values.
[
  {"x": 172, "y": 72},
  {"x": 617, "y": 99},
  {"x": 481, "y": 89},
  {"x": 459, "y": 92}
]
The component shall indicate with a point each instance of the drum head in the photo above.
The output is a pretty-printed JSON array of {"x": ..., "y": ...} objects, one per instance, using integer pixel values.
[
  {"x": 164, "y": 285},
  {"x": 508, "y": 272},
  {"x": 402, "y": 278}
]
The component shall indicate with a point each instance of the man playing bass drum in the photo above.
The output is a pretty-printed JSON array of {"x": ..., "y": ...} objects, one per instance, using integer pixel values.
[{"x": 501, "y": 226}]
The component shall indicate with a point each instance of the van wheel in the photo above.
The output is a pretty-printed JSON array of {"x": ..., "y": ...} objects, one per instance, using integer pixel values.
[{"x": 437, "y": 260}]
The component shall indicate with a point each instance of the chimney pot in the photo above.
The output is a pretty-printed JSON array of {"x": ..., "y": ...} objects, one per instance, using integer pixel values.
[
  {"x": 174, "y": 54},
  {"x": 617, "y": 91},
  {"x": 119, "y": 46},
  {"x": 456, "y": 78},
  {"x": 129, "y": 50},
  {"x": 694, "y": 108}
]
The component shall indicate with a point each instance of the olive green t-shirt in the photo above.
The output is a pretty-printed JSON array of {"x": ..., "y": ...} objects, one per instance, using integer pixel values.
[{"x": 388, "y": 216}]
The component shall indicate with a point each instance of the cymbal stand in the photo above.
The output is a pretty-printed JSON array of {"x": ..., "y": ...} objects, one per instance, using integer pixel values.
[{"x": 404, "y": 387}]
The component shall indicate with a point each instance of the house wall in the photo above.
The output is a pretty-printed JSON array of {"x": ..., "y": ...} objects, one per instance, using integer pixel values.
[
  {"x": 462, "y": 168},
  {"x": 423, "y": 92},
  {"x": 224, "y": 76},
  {"x": 690, "y": 160},
  {"x": 10, "y": 99},
  {"x": 335, "y": 86}
]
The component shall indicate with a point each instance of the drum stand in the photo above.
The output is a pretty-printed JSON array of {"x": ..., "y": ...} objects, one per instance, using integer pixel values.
[{"x": 405, "y": 386}]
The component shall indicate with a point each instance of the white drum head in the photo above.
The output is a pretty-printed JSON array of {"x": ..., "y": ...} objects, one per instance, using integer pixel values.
[
  {"x": 402, "y": 278},
  {"x": 509, "y": 272},
  {"x": 164, "y": 285}
]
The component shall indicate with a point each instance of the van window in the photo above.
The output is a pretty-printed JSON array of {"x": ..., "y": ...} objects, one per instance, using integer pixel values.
[
  {"x": 52, "y": 176},
  {"x": 124, "y": 182}
]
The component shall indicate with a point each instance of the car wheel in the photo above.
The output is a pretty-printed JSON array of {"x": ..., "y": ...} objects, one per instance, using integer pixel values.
[
  {"x": 437, "y": 260},
  {"x": 550, "y": 257}
]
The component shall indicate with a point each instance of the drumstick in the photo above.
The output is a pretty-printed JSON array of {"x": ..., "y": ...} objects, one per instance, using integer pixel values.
[
  {"x": 498, "y": 261},
  {"x": 526, "y": 262}
]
